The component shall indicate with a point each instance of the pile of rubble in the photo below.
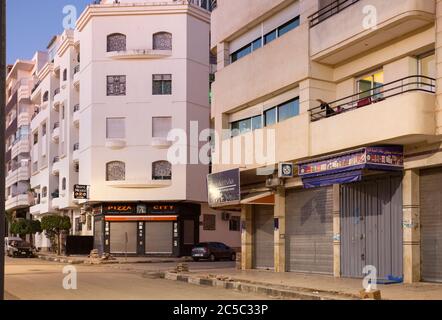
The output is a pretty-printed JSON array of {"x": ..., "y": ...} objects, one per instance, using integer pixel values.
[
  {"x": 95, "y": 257},
  {"x": 182, "y": 267}
]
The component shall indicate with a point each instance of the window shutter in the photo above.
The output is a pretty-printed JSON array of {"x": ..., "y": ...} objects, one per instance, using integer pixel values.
[
  {"x": 161, "y": 126},
  {"x": 115, "y": 128}
]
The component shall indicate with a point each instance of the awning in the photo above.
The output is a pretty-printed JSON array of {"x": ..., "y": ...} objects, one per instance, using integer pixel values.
[
  {"x": 265, "y": 197},
  {"x": 328, "y": 180}
]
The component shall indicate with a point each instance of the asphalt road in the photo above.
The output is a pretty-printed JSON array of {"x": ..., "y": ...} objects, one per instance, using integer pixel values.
[{"x": 34, "y": 279}]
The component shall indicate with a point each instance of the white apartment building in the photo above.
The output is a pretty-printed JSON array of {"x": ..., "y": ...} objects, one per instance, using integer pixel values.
[{"x": 109, "y": 94}]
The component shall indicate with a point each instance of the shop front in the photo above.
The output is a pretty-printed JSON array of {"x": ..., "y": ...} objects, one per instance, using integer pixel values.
[
  {"x": 368, "y": 213},
  {"x": 137, "y": 229}
]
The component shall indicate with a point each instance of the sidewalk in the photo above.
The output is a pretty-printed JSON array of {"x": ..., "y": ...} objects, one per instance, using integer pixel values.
[
  {"x": 311, "y": 286},
  {"x": 117, "y": 260}
]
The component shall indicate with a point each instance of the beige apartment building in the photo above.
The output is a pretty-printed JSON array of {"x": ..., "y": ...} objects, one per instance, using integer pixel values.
[{"x": 351, "y": 91}]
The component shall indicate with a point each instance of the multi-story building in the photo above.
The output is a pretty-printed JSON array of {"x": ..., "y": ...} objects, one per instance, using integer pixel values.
[
  {"x": 109, "y": 95},
  {"x": 350, "y": 91},
  {"x": 18, "y": 116}
]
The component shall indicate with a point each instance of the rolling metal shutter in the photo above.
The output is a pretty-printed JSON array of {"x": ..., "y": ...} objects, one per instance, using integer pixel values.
[
  {"x": 371, "y": 227},
  {"x": 119, "y": 232},
  {"x": 263, "y": 237},
  {"x": 431, "y": 222},
  {"x": 159, "y": 237},
  {"x": 309, "y": 230}
]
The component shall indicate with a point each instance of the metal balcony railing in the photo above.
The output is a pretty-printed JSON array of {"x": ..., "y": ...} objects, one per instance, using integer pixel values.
[
  {"x": 377, "y": 94},
  {"x": 329, "y": 10},
  {"x": 76, "y": 108},
  {"x": 56, "y": 125},
  {"x": 77, "y": 146},
  {"x": 56, "y": 91},
  {"x": 77, "y": 69},
  {"x": 56, "y": 159},
  {"x": 35, "y": 86}
]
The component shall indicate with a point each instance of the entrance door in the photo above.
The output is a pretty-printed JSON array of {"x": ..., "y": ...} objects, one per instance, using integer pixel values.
[
  {"x": 431, "y": 222},
  {"x": 309, "y": 230},
  {"x": 371, "y": 227},
  {"x": 122, "y": 233},
  {"x": 263, "y": 237},
  {"x": 159, "y": 237}
]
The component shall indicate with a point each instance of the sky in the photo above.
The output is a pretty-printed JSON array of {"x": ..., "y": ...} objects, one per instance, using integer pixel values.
[{"x": 32, "y": 23}]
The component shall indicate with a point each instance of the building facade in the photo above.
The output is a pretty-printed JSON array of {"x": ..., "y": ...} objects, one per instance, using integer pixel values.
[
  {"x": 111, "y": 92},
  {"x": 347, "y": 92}
]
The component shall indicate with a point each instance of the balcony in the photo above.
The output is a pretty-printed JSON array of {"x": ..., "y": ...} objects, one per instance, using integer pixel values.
[
  {"x": 76, "y": 153},
  {"x": 56, "y": 132},
  {"x": 36, "y": 91},
  {"x": 57, "y": 99},
  {"x": 76, "y": 117},
  {"x": 17, "y": 202},
  {"x": 20, "y": 146},
  {"x": 161, "y": 143},
  {"x": 139, "y": 54},
  {"x": 21, "y": 173},
  {"x": 23, "y": 119},
  {"x": 55, "y": 202},
  {"x": 76, "y": 75},
  {"x": 115, "y": 144},
  {"x": 337, "y": 31},
  {"x": 56, "y": 166},
  {"x": 372, "y": 117}
]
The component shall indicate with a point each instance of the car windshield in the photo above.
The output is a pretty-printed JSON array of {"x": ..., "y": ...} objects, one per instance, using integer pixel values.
[
  {"x": 201, "y": 245},
  {"x": 23, "y": 244}
]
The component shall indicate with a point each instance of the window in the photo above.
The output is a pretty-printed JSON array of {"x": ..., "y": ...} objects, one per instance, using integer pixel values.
[
  {"x": 267, "y": 38},
  {"x": 369, "y": 85},
  {"x": 44, "y": 192},
  {"x": 43, "y": 129},
  {"x": 246, "y": 125},
  {"x": 115, "y": 128},
  {"x": 116, "y": 42},
  {"x": 234, "y": 223},
  {"x": 270, "y": 116},
  {"x": 46, "y": 96},
  {"x": 115, "y": 171},
  {"x": 161, "y": 170},
  {"x": 63, "y": 184},
  {"x": 77, "y": 167},
  {"x": 35, "y": 138},
  {"x": 162, "y": 41},
  {"x": 288, "y": 110},
  {"x": 257, "y": 122},
  {"x": 62, "y": 112},
  {"x": 162, "y": 84},
  {"x": 209, "y": 222},
  {"x": 116, "y": 85},
  {"x": 89, "y": 222},
  {"x": 427, "y": 68},
  {"x": 161, "y": 126},
  {"x": 65, "y": 74}
]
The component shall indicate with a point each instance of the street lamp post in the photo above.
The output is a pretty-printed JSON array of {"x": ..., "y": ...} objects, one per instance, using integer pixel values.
[{"x": 2, "y": 144}]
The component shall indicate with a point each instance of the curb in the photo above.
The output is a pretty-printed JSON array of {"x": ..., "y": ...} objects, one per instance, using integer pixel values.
[
  {"x": 274, "y": 291},
  {"x": 88, "y": 262}
]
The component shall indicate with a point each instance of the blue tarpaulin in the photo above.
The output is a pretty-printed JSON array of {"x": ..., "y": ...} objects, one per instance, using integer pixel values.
[{"x": 328, "y": 180}]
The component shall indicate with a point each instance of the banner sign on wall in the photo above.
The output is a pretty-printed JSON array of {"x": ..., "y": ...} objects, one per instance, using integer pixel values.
[
  {"x": 348, "y": 167},
  {"x": 224, "y": 188}
]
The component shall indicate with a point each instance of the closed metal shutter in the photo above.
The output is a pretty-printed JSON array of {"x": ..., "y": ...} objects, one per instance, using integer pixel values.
[
  {"x": 98, "y": 235},
  {"x": 159, "y": 237},
  {"x": 119, "y": 232},
  {"x": 371, "y": 227},
  {"x": 309, "y": 230},
  {"x": 263, "y": 237},
  {"x": 431, "y": 222}
]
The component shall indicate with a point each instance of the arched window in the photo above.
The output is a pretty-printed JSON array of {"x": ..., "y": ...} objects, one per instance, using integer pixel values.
[
  {"x": 63, "y": 184},
  {"x": 65, "y": 74},
  {"x": 46, "y": 96},
  {"x": 161, "y": 170},
  {"x": 116, "y": 42},
  {"x": 162, "y": 41},
  {"x": 115, "y": 171}
]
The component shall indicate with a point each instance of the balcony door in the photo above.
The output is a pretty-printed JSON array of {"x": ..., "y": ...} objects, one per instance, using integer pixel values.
[{"x": 370, "y": 87}]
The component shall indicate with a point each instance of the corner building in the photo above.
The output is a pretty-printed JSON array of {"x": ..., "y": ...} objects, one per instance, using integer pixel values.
[{"x": 367, "y": 156}]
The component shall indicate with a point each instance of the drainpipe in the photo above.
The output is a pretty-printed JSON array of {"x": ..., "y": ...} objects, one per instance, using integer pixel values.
[{"x": 438, "y": 28}]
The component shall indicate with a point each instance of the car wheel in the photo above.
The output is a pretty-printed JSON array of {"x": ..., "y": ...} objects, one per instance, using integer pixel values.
[
  {"x": 196, "y": 259},
  {"x": 233, "y": 257},
  {"x": 212, "y": 257}
]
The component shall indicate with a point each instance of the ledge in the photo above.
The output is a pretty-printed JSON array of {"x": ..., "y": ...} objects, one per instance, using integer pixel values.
[
  {"x": 115, "y": 144},
  {"x": 139, "y": 184},
  {"x": 139, "y": 54},
  {"x": 161, "y": 143}
]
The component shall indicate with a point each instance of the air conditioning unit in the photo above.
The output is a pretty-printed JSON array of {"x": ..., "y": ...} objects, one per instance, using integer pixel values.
[
  {"x": 273, "y": 182},
  {"x": 225, "y": 216}
]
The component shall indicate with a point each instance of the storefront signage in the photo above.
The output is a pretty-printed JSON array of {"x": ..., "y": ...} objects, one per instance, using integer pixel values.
[
  {"x": 81, "y": 192},
  {"x": 349, "y": 167},
  {"x": 118, "y": 209},
  {"x": 224, "y": 188},
  {"x": 163, "y": 209}
]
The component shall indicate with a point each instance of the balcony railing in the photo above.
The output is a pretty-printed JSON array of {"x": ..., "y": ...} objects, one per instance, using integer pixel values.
[
  {"x": 76, "y": 108},
  {"x": 56, "y": 125},
  {"x": 56, "y": 91},
  {"x": 329, "y": 10},
  {"x": 35, "y": 86},
  {"x": 56, "y": 159},
  {"x": 377, "y": 94},
  {"x": 77, "y": 69},
  {"x": 77, "y": 146}
]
